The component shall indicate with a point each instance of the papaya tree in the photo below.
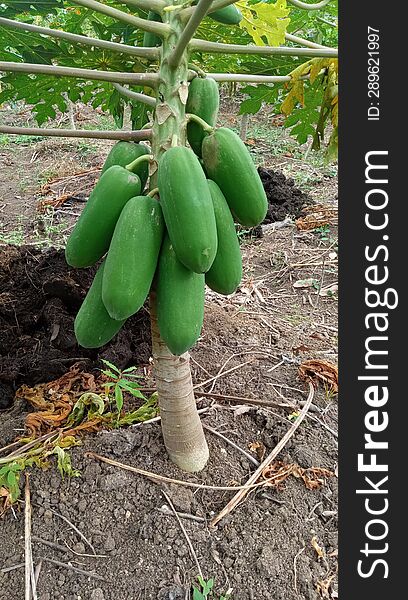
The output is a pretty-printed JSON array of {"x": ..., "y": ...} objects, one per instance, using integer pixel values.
[{"x": 161, "y": 217}]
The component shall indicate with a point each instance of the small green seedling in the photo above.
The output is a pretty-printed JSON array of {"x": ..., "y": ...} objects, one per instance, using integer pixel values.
[
  {"x": 120, "y": 383},
  {"x": 323, "y": 232},
  {"x": 206, "y": 590}
]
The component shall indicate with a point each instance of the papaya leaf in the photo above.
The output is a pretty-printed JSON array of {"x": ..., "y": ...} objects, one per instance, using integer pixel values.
[
  {"x": 258, "y": 95},
  {"x": 303, "y": 120},
  {"x": 11, "y": 8},
  {"x": 265, "y": 22}
]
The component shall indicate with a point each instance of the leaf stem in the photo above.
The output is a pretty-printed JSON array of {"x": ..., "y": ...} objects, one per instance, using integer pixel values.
[
  {"x": 160, "y": 29},
  {"x": 298, "y": 40},
  {"x": 135, "y": 136},
  {"x": 197, "y": 16},
  {"x": 149, "y": 79},
  {"x": 247, "y": 78},
  {"x": 134, "y": 95},
  {"x": 197, "y": 70},
  {"x": 220, "y": 48},
  {"x": 150, "y": 53}
]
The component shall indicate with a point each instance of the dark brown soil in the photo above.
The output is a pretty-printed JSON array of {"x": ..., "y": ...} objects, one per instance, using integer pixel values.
[
  {"x": 40, "y": 296},
  {"x": 284, "y": 198},
  {"x": 279, "y": 544}
]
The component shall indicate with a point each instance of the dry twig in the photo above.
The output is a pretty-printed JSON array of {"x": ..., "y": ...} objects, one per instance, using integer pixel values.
[
  {"x": 165, "y": 510},
  {"x": 75, "y": 569},
  {"x": 190, "y": 545},
  {"x": 162, "y": 478},
  {"x": 231, "y": 443},
  {"x": 295, "y": 568},
  {"x": 30, "y": 586},
  {"x": 221, "y": 373},
  {"x": 242, "y": 493},
  {"x": 81, "y": 535}
]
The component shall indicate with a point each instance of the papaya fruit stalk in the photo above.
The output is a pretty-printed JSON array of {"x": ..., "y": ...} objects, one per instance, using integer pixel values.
[{"x": 181, "y": 426}]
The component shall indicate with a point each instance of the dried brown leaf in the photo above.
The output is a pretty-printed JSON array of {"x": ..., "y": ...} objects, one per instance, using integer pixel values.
[
  {"x": 258, "y": 448},
  {"x": 313, "y": 477},
  {"x": 319, "y": 550},
  {"x": 320, "y": 371},
  {"x": 317, "y": 215}
]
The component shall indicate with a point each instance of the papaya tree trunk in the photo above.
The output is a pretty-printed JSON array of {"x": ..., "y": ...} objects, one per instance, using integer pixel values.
[
  {"x": 182, "y": 430},
  {"x": 181, "y": 426}
]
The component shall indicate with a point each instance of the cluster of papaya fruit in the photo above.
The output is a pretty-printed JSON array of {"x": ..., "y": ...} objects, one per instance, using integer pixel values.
[{"x": 176, "y": 244}]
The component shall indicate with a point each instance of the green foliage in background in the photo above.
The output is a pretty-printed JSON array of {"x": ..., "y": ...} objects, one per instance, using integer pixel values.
[{"x": 264, "y": 22}]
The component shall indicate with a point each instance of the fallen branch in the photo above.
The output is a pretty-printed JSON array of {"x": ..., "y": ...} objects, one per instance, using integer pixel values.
[
  {"x": 234, "y": 399},
  {"x": 12, "y": 568},
  {"x": 221, "y": 374},
  {"x": 165, "y": 510},
  {"x": 242, "y": 493}
]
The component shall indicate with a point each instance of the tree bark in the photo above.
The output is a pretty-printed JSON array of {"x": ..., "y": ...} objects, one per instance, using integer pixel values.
[{"x": 183, "y": 432}]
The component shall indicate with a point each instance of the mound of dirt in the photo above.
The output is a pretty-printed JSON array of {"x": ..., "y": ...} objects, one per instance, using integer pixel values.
[
  {"x": 284, "y": 198},
  {"x": 40, "y": 296}
]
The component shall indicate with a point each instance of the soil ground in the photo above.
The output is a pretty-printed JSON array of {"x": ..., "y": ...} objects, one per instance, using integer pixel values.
[{"x": 281, "y": 542}]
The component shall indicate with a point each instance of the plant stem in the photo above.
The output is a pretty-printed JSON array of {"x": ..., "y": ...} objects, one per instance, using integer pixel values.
[
  {"x": 141, "y": 159},
  {"x": 153, "y": 192},
  {"x": 134, "y": 95},
  {"x": 197, "y": 70},
  {"x": 327, "y": 22},
  {"x": 136, "y": 136},
  {"x": 220, "y": 48},
  {"x": 298, "y": 40},
  {"x": 150, "y": 53},
  {"x": 158, "y": 28},
  {"x": 149, "y": 79},
  {"x": 200, "y": 121},
  {"x": 246, "y": 78},
  {"x": 197, "y": 16}
]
